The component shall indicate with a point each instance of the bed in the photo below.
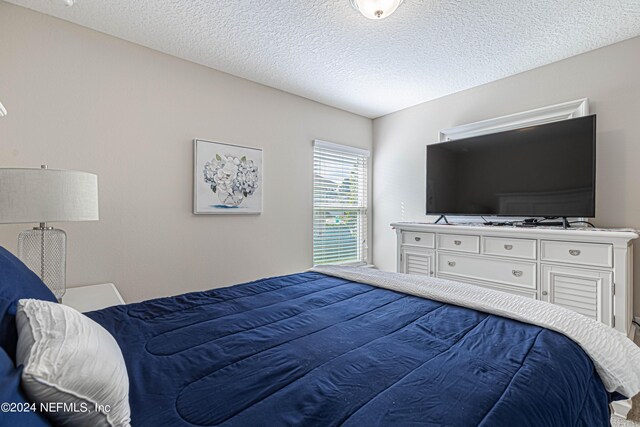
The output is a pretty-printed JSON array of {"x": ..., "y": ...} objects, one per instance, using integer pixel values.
[
  {"x": 316, "y": 349},
  {"x": 311, "y": 349}
]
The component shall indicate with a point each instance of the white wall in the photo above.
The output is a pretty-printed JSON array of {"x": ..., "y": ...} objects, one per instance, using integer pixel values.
[
  {"x": 608, "y": 77},
  {"x": 79, "y": 99}
]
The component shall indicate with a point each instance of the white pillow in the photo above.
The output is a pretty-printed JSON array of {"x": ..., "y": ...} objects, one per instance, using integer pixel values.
[{"x": 70, "y": 359}]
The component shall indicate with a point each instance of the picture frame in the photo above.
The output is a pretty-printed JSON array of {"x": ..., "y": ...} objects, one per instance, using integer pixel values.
[{"x": 227, "y": 178}]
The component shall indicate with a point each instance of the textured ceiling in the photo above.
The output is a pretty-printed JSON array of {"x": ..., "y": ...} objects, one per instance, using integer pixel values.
[{"x": 326, "y": 51}]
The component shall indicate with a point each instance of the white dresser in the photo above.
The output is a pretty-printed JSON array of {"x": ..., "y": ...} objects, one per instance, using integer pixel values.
[{"x": 589, "y": 271}]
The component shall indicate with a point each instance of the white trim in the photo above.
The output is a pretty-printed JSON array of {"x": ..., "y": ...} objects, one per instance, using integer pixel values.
[
  {"x": 621, "y": 408},
  {"x": 552, "y": 113},
  {"x": 358, "y": 158},
  {"x": 341, "y": 148}
]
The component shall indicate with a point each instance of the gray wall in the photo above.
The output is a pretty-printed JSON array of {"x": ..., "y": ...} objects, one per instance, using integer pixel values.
[
  {"x": 608, "y": 77},
  {"x": 79, "y": 99}
]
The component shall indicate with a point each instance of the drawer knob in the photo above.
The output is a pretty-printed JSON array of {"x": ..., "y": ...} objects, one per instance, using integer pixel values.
[
  {"x": 517, "y": 273},
  {"x": 545, "y": 293},
  {"x": 457, "y": 242},
  {"x": 574, "y": 252},
  {"x": 508, "y": 247},
  {"x": 418, "y": 239},
  {"x": 451, "y": 263}
]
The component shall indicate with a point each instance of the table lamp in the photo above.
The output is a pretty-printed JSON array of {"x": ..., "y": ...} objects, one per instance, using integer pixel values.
[{"x": 46, "y": 195}]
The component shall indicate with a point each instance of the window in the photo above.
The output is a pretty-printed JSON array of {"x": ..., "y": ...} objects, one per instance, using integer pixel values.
[{"x": 339, "y": 204}]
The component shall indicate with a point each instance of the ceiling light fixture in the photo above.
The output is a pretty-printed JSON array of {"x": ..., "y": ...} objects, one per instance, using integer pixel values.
[
  {"x": 376, "y": 9},
  {"x": 3, "y": 111}
]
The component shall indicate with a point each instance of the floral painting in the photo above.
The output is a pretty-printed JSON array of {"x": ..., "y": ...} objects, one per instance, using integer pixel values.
[{"x": 227, "y": 178}]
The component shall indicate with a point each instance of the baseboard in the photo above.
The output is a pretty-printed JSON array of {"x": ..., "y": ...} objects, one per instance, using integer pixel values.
[{"x": 621, "y": 408}]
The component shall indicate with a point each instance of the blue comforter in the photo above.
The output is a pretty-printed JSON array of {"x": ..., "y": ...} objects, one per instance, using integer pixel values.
[{"x": 310, "y": 349}]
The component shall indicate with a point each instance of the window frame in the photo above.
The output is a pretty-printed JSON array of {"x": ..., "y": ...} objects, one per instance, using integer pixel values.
[{"x": 363, "y": 208}]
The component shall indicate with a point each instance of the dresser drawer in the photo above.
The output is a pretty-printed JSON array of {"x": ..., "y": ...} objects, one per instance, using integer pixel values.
[
  {"x": 515, "y": 248},
  {"x": 515, "y": 273},
  {"x": 592, "y": 254},
  {"x": 426, "y": 240},
  {"x": 459, "y": 243}
]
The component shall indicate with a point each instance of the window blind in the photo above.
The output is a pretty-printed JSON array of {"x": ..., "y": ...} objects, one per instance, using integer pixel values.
[{"x": 339, "y": 203}]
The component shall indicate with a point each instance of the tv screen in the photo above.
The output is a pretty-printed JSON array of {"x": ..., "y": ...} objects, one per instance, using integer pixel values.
[{"x": 539, "y": 171}]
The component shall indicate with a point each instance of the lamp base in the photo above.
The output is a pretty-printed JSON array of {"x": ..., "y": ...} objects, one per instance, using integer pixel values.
[{"x": 44, "y": 251}]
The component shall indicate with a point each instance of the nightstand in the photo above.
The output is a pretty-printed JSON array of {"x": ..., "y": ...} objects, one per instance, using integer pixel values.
[{"x": 92, "y": 297}]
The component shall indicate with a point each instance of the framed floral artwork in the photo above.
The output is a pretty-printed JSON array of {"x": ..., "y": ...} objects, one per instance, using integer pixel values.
[{"x": 227, "y": 178}]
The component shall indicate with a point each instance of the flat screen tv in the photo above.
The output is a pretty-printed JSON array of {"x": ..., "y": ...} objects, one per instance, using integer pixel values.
[{"x": 547, "y": 170}]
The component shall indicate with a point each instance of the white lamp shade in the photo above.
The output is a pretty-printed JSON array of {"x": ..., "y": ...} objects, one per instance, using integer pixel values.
[
  {"x": 47, "y": 195},
  {"x": 376, "y": 9}
]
